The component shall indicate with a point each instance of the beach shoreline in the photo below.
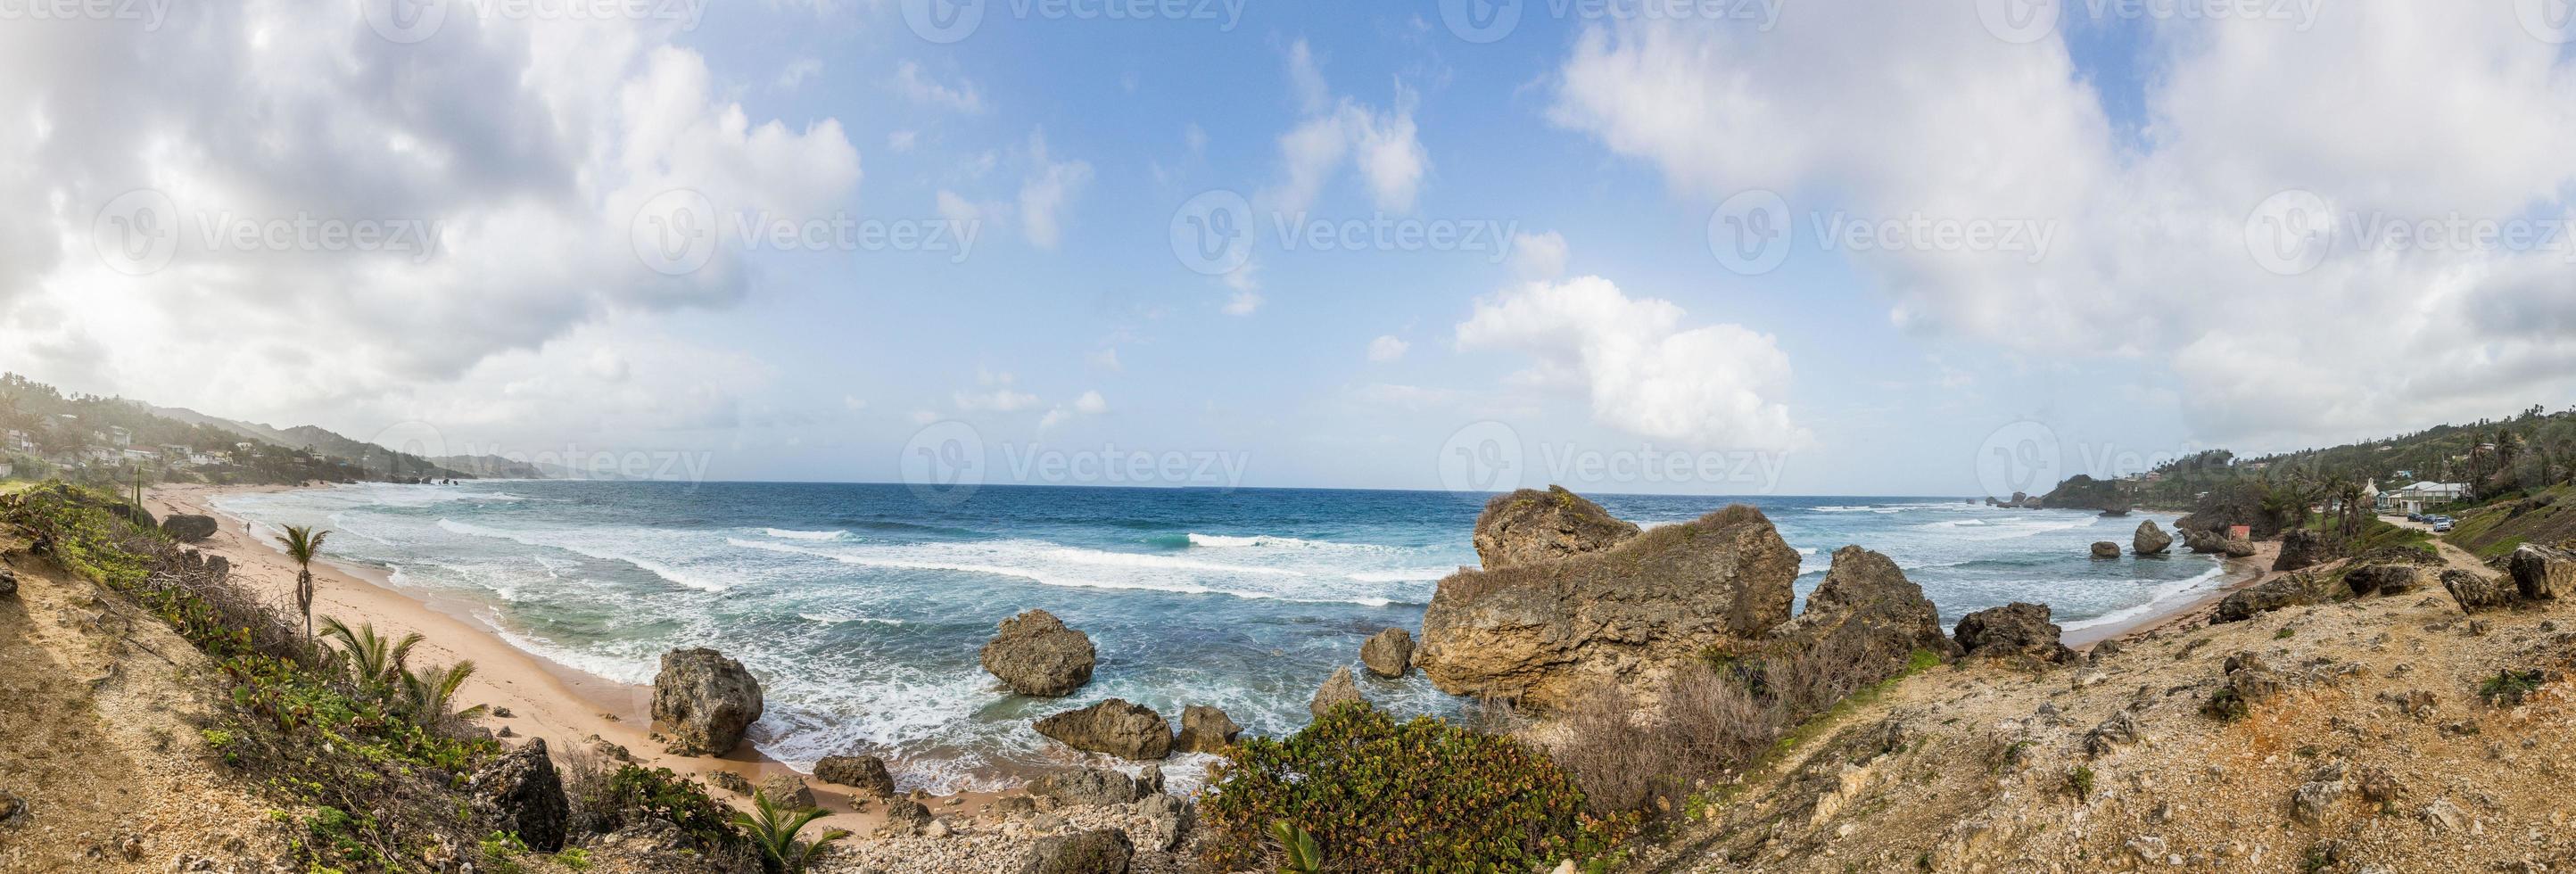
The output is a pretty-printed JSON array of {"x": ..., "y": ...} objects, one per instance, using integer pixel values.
[{"x": 545, "y": 699}]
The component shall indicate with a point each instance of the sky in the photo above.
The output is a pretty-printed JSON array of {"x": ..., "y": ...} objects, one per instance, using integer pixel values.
[{"x": 1954, "y": 247}]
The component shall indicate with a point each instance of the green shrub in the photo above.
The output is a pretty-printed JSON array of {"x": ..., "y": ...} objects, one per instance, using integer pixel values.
[
  {"x": 2080, "y": 782},
  {"x": 634, "y": 793},
  {"x": 1423, "y": 795},
  {"x": 2508, "y": 687}
]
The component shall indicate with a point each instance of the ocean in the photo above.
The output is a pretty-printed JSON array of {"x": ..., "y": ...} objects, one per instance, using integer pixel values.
[{"x": 861, "y": 606}]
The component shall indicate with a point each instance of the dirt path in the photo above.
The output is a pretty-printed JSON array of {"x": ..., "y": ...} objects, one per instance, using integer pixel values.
[{"x": 100, "y": 739}]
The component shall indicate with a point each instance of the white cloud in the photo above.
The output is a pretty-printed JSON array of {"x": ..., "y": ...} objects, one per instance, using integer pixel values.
[
  {"x": 919, "y": 87},
  {"x": 2382, "y": 110},
  {"x": 1090, "y": 404},
  {"x": 1538, "y": 256},
  {"x": 1387, "y": 348},
  {"x": 1382, "y": 143},
  {"x": 525, "y": 148},
  {"x": 1107, "y": 359},
  {"x": 1051, "y": 186},
  {"x": 902, "y": 140},
  {"x": 797, "y": 71},
  {"x": 994, "y": 394},
  {"x": 957, "y": 208},
  {"x": 1243, "y": 303},
  {"x": 1641, "y": 370}
]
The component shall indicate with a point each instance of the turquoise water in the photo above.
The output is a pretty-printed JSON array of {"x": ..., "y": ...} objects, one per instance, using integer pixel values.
[{"x": 861, "y": 607}]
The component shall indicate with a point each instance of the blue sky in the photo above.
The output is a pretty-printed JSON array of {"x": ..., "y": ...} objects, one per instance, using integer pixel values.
[{"x": 2120, "y": 156}]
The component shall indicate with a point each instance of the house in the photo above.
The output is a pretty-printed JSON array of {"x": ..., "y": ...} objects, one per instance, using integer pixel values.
[
  {"x": 2415, "y": 497},
  {"x": 118, "y": 436},
  {"x": 17, "y": 440}
]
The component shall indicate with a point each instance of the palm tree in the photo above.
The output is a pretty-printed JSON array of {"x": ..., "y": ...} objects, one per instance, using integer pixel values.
[
  {"x": 428, "y": 695},
  {"x": 376, "y": 662},
  {"x": 302, "y": 544},
  {"x": 775, "y": 828}
]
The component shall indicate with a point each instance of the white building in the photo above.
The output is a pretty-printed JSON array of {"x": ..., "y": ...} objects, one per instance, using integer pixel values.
[{"x": 2414, "y": 498}]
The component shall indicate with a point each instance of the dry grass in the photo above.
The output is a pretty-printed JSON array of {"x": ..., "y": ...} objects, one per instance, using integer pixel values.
[{"x": 1627, "y": 757}]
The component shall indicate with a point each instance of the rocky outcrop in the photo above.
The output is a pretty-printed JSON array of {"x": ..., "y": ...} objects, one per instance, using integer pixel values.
[
  {"x": 1086, "y": 787},
  {"x": 2383, "y": 579},
  {"x": 788, "y": 791},
  {"x": 708, "y": 700},
  {"x": 2150, "y": 539},
  {"x": 2476, "y": 592},
  {"x": 2105, "y": 549},
  {"x": 2216, "y": 543},
  {"x": 1205, "y": 729},
  {"x": 8, "y": 583},
  {"x": 521, "y": 793},
  {"x": 1867, "y": 615},
  {"x": 2542, "y": 573},
  {"x": 189, "y": 527},
  {"x": 1389, "y": 654},
  {"x": 1035, "y": 654},
  {"x": 1536, "y": 633},
  {"x": 1098, "y": 851},
  {"x": 1534, "y": 527},
  {"x": 1165, "y": 819},
  {"x": 2287, "y": 590},
  {"x": 1340, "y": 689},
  {"x": 2015, "y": 629},
  {"x": 865, "y": 774},
  {"x": 1116, "y": 727},
  {"x": 2303, "y": 548}
]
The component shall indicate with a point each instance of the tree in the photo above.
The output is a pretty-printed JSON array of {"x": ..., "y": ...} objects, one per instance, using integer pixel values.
[
  {"x": 774, "y": 829},
  {"x": 303, "y": 544},
  {"x": 376, "y": 663},
  {"x": 430, "y": 695}
]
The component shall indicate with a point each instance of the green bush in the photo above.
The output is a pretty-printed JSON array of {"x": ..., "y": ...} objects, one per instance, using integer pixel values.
[{"x": 1423, "y": 795}]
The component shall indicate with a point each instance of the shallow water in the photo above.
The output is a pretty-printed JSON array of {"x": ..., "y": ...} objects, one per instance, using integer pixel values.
[{"x": 861, "y": 607}]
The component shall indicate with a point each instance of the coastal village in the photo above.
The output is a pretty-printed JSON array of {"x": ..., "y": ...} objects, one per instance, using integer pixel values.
[{"x": 2365, "y": 695}]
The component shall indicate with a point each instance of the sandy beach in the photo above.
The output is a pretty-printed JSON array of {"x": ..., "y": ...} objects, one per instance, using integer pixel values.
[{"x": 544, "y": 699}]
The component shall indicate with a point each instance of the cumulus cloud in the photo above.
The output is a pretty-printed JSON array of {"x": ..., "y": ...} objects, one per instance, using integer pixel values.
[
  {"x": 1538, "y": 256},
  {"x": 2377, "y": 111},
  {"x": 1387, "y": 348},
  {"x": 1382, "y": 144},
  {"x": 994, "y": 393},
  {"x": 1639, "y": 366},
  {"x": 1090, "y": 404},
  {"x": 918, "y": 87},
  {"x": 1051, "y": 186},
  {"x": 530, "y": 167}
]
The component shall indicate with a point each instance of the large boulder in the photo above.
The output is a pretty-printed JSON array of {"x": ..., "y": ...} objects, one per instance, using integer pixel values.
[
  {"x": 1035, "y": 654},
  {"x": 2015, "y": 629},
  {"x": 1086, "y": 787},
  {"x": 2303, "y": 548},
  {"x": 2542, "y": 572},
  {"x": 1116, "y": 726},
  {"x": 8, "y": 583},
  {"x": 2150, "y": 539},
  {"x": 1205, "y": 729},
  {"x": 2383, "y": 579},
  {"x": 1535, "y": 633},
  {"x": 2477, "y": 592},
  {"x": 2217, "y": 543},
  {"x": 708, "y": 700},
  {"x": 788, "y": 791},
  {"x": 521, "y": 793},
  {"x": 866, "y": 774},
  {"x": 1098, "y": 851},
  {"x": 2286, "y": 590},
  {"x": 189, "y": 527},
  {"x": 1865, "y": 614},
  {"x": 1534, "y": 527},
  {"x": 1389, "y": 654},
  {"x": 1337, "y": 690},
  {"x": 2105, "y": 549}
]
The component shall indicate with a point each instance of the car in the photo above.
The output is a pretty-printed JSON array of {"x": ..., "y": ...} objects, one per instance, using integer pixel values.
[
  {"x": 2414, "y": 517},
  {"x": 2441, "y": 527}
]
